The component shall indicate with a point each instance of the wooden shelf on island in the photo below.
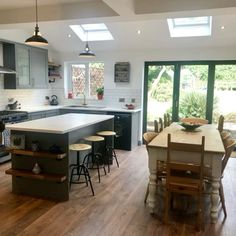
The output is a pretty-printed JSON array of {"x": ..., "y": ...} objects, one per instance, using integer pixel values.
[
  {"x": 43, "y": 154},
  {"x": 42, "y": 176}
]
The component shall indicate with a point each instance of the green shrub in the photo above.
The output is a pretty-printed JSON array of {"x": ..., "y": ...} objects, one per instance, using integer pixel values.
[{"x": 193, "y": 104}]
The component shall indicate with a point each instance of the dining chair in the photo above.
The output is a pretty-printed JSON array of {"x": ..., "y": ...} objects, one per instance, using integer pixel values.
[
  {"x": 160, "y": 165},
  {"x": 229, "y": 147},
  {"x": 156, "y": 126},
  {"x": 165, "y": 123},
  {"x": 194, "y": 120},
  {"x": 161, "y": 125},
  {"x": 221, "y": 123},
  {"x": 225, "y": 135},
  {"x": 184, "y": 178},
  {"x": 169, "y": 121}
]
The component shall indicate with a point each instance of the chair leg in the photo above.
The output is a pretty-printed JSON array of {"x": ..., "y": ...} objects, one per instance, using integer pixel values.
[
  {"x": 200, "y": 221},
  {"x": 99, "y": 179},
  {"x": 114, "y": 155},
  {"x": 167, "y": 202},
  {"x": 222, "y": 198},
  {"x": 108, "y": 161},
  {"x": 89, "y": 178},
  {"x": 146, "y": 194},
  {"x": 86, "y": 160}
]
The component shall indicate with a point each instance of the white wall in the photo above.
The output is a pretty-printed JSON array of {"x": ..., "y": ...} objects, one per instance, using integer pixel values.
[
  {"x": 114, "y": 91},
  {"x": 133, "y": 89}
]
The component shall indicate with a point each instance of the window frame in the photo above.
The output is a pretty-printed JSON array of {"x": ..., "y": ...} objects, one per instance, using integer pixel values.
[{"x": 87, "y": 79}]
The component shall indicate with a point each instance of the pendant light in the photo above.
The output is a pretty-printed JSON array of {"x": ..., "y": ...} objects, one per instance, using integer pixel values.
[
  {"x": 36, "y": 39},
  {"x": 5, "y": 70},
  {"x": 87, "y": 52}
]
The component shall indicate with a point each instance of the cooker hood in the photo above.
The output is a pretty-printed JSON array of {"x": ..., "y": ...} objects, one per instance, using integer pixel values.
[{"x": 4, "y": 70}]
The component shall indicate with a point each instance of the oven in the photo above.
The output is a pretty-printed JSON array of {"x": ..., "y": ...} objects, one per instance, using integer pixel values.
[{"x": 8, "y": 117}]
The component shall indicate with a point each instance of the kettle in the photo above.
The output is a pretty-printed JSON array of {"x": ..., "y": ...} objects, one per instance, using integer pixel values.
[
  {"x": 53, "y": 101},
  {"x": 13, "y": 106}
]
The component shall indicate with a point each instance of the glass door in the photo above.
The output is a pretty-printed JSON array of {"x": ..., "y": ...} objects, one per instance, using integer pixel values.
[
  {"x": 204, "y": 89},
  {"x": 193, "y": 91},
  {"x": 159, "y": 92},
  {"x": 225, "y": 95}
]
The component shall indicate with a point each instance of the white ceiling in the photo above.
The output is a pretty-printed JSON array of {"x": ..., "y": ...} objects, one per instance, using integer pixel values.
[{"x": 123, "y": 18}]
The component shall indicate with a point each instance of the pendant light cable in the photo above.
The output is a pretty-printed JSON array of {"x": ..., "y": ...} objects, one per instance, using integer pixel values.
[
  {"x": 36, "y": 39},
  {"x": 87, "y": 52}
]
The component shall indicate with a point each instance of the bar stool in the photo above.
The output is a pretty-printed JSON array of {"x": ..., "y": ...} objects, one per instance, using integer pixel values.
[
  {"x": 95, "y": 157},
  {"x": 80, "y": 169},
  {"x": 109, "y": 149}
]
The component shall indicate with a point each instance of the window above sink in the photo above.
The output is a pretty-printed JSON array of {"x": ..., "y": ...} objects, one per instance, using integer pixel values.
[{"x": 84, "y": 78}]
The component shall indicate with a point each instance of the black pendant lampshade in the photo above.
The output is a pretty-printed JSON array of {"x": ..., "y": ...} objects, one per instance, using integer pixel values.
[
  {"x": 87, "y": 52},
  {"x": 36, "y": 39},
  {"x": 5, "y": 70}
]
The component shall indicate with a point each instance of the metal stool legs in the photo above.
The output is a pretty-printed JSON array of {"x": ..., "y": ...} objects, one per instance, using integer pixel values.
[
  {"x": 78, "y": 170},
  {"x": 110, "y": 150},
  {"x": 96, "y": 157}
]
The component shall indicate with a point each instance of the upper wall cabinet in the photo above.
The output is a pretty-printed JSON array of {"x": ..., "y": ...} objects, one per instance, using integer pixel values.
[
  {"x": 30, "y": 64},
  {"x": 39, "y": 67}
]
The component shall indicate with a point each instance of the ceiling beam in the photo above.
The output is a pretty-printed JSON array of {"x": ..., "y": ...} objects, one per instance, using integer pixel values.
[
  {"x": 160, "y": 6},
  {"x": 70, "y": 11},
  {"x": 122, "y": 7}
]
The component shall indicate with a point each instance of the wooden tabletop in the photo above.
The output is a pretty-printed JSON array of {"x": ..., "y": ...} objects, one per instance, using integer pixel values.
[{"x": 213, "y": 142}]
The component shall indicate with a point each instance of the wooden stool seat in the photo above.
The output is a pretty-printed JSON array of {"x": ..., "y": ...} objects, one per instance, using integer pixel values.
[
  {"x": 106, "y": 133},
  {"x": 80, "y": 169},
  {"x": 94, "y": 138},
  {"x": 79, "y": 147}
]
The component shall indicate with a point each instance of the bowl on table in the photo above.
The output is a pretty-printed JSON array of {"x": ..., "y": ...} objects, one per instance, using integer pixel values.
[{"x": 189, "y": 126}]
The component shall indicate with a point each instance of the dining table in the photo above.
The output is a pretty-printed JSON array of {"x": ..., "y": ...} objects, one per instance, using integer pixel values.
[{"x": 214, "y": 151}]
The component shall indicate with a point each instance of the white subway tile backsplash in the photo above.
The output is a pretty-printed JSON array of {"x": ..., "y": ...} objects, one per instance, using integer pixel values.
[
  {"x": 26, "y": 97},
  {"x": 36, "y": 97}
]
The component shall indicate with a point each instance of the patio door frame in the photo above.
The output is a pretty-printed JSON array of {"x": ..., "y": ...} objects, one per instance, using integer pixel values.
[{"x": 176, "y": 86}]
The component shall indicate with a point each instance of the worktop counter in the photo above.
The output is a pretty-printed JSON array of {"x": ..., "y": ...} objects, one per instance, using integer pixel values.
[
  {"x": 82, "y": 108},
  {"x": 59, "y": 124}
]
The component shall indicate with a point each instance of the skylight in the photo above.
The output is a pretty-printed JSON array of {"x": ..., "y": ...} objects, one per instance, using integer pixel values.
[
  {"x": 92, "y": 32},
  {"x": 190, "y": 26}
]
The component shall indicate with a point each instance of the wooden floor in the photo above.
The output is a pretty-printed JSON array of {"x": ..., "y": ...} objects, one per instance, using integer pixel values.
[{"x": 116, "y": 209}]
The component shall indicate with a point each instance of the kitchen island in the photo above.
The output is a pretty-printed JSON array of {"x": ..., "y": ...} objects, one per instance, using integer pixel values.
[{"x": 54, "y": 135}]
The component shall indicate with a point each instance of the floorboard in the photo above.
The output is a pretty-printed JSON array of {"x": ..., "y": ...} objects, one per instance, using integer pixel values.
[{"x": 116, "y": 209}]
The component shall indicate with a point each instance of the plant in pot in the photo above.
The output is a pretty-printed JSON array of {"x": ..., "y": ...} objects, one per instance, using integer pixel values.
[{"x": 100, "y": 92}]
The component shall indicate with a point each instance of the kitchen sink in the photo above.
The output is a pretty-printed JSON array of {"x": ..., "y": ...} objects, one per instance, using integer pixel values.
[{"x": 87, "y": 106}]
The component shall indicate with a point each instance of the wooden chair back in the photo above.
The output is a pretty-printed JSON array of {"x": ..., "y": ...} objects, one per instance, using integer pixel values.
[
  {"x": 195, "y": 120},
  {"x": 165, "y": 121},
  {"x": 148, "y": 137},
  {"x": 180, "y": 168},
  {"x": 229, "y": 147},
  {"x": 184, "y": 178},
  {"x": 161, "y": 124},
  {"x": 156, "y": 126},
  {"x": 169, "y": 121},
  {"x": 221, "y": 123}
]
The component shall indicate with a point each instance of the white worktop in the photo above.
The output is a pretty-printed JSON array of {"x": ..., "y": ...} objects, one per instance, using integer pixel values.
[
  {"x": 60, "y": 124},
  {"x": 89, "y": 108}
]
